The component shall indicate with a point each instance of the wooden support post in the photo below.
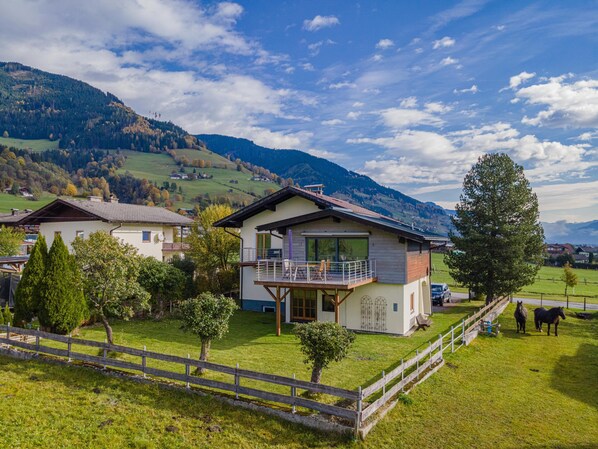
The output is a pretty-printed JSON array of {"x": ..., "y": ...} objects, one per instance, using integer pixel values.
[
  {"x": 69, "y": 348},
  {"x": 37, "y": 345},
  {"x": 104, "y": 352},
  {"x": 337, "y": 304},
  {"x": 188, "y": 371},
  {"x": 383, "y": 385},
  {"x": 293, "y": 395},
  {"x": 452, "y": 339},
  {"x": 278, "y": 311},
  {"x": 237, "y": 381},
  {"x": 402, "y": 374},
  {"x": 358, "y": 414},
  {"x": 417, "y": 362},
  {"x": 584, "y": 304},
  {"x": 143, "y": 361}
]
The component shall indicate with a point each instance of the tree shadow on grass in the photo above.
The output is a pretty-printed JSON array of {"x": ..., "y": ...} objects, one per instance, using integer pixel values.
[{"x": 575, "y": 375}]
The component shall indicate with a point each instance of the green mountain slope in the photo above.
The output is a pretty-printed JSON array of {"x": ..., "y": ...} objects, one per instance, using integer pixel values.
[{"x": 306, "y": 169}]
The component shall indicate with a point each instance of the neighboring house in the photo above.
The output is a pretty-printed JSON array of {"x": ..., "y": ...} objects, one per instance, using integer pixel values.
[
  {"x": 309, "y": 256},
  {"x": 178, "y": 176},
  {"x": 154, "y": 231}
]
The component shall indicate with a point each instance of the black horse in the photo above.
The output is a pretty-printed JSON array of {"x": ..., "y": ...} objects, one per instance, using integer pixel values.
[
  {"x": 520, "y": 316},
  {"x": 552, "y": 316}
]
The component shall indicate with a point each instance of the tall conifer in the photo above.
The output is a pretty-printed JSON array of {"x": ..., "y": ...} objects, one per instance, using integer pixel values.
[{"x": 27, "y": 293}]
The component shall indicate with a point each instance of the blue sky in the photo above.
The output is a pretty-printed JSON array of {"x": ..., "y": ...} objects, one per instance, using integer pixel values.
[{"x": 409, "y": 93}]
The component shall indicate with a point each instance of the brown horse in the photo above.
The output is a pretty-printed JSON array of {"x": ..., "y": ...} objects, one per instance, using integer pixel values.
[
  {"x": 552, "y": 316},
  {"x": 520, "y": 316}
]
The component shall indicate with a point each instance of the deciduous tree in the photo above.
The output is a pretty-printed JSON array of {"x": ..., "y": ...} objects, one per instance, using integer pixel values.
[
  {"x": 207, "y": 316},
  {"x": 569, "y": 277},
  {"x": 10, "y": 241},
  {"x": 322, "y": 343},
  {"x": 163, "y": 281},
  {"x": 109, "y": 273},
  {"x": 499, "y": 241}
]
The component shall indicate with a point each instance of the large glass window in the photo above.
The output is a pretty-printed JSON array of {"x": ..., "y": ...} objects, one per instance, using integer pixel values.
[
  {"x": 303, "y": 304},
  {"x": 338, "y": 249},
  {"x": 263, "y": 244}
]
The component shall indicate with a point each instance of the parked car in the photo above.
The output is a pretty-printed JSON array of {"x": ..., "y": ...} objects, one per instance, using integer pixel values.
[{"x": 440, "y": 294}]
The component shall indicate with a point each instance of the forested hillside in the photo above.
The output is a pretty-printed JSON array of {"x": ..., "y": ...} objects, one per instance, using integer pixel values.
[
  {"x": 41, "y": 105},
  {"x": 305, "y": 169}
]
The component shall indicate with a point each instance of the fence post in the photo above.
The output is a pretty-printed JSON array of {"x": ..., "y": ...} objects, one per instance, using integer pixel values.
[
  {"x": 567, "y": 301},
  {"x": 8, "y": 334},
  {"x": 541, "y": 298},
  {"x": 430, "y": 346},
  {"x": 143, "y": 361},
  {"x": 584, "y": 303},
  {"x": 417, "y": 362},
  {"x": 452, "y": 339},
  {"x": 463, "y": 334},
  {"x": 104, "y": 352},
  {"x": 237, "y": 381},
  {"x": 440, "y": 347},
  {"x": 293, "y": 395},
  {"x": 187, "y": 371},
  {"x": 358, "y": 414},
  {"x": 402, "y": 374},
  {"x": 69, "y": 347},
  {"x": 383, "y": 385},
  {"x": 37, "y": 345}
]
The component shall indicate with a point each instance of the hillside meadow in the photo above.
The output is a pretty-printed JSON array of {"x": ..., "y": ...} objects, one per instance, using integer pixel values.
[
  {"x": 30, "y": 144},
  {"x": 512, "y": 391},
  {"x": 8, "y": 202}
]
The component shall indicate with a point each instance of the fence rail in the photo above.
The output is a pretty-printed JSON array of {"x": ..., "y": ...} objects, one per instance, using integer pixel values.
[
  {"x": 408, "y": 373},
  {"x": 324, "y": 271}
]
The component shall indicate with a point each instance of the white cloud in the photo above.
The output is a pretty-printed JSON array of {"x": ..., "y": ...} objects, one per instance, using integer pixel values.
[
  {"x": 315, "y": 47},
  {"x": 341, "y": 85},
  {"x": 554, "y": 198},
  {"x": 588, "y": 136},
  {"x": 319, "y": 22},
  {"x": 354, "y": 115},
  {"x": 516, "y": 80},
  {"x": 384, "y": 44},
  {"x": 437, "y": 107},
  {"x": 332, "y": 122},
  {"x": 445, "y": 42},
  {"x": 377, "y": 58},
  {"x": 567, "y": 104},
  {"x": 448, "y": 61},
  {"x": 473, "y": 89},
  {"x": 307, "y": 67},
  {"x": 419, "y": 50},
  {"x": 397, "y": 118},
  {"x": 358, "y": 104},
  {"x": 409, "y": 102}
]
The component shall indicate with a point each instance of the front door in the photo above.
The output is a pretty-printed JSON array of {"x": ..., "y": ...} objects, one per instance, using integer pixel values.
[{"x": 303, "y": 304}]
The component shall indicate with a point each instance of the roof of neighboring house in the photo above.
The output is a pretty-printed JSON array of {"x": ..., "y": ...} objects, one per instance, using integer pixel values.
[
  {"x": 11, "y": 219},
  {"x": 331, "y": 207},
  {"x": 84, "y": 210}
]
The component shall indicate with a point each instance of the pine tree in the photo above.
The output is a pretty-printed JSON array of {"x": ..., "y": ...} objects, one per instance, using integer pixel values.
[
  {"x": 499, "y": 240},
  {"x": 62, "y": 306},
  {"x": 27, "y": 294}
]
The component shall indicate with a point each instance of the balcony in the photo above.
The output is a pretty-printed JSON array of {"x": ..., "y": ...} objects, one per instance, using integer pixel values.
[
  {"x": 250, "y": 256},
  {"x": 174, "y": 247},
  {"x": 294, "y": 273}
]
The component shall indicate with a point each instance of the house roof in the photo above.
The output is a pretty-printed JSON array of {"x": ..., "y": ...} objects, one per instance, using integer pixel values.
[
  {"x": 84, "y": 210},
  {"x": 330, "y": 207},
  {"x": 10, "y": 219}
]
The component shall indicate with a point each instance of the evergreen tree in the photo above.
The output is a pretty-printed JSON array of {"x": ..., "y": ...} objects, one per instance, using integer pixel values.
[
  {"x": 27, "y": 294},
  {"x": 62, "y": 306},
  {"x": 7, "y": 316},
  {"x": 499, "y": 241}
]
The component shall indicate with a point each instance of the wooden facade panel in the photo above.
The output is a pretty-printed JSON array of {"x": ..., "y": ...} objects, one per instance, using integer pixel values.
[
  {"x": 418, "y": 261},
  {"x": 384, "y": 247}
]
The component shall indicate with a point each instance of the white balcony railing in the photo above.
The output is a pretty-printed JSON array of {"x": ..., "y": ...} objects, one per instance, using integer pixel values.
[{"x": 325, "y": 272}]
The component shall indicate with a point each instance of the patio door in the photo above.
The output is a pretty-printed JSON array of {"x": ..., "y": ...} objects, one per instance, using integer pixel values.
[{"x": 303, "y": 304}]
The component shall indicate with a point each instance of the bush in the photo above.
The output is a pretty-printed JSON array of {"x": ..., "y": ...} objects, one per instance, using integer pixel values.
[
  {"x": 6, "y": 315},
  {"x": 322, "y": 343},
  {"x": 27, "y": 293}
]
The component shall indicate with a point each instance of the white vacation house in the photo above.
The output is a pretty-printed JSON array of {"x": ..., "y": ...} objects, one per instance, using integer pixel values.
[
  {"x": 154, "y": 231},
  {"x": 308, "y": 256}
]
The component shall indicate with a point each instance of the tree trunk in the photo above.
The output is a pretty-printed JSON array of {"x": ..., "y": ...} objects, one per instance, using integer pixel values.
[
  {"x": 108, "y": 329},
  {"x": 204, "y": 354},
  {"x": 316, "y": 374},
  {"x": 489, "y": 298}
]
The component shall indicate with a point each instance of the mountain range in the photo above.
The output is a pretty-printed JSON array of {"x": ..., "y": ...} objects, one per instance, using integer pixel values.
[{"x": 39, "y": 105}]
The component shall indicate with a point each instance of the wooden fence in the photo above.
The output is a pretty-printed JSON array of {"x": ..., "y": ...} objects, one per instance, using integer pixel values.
[{"x": 355, "y": 411}]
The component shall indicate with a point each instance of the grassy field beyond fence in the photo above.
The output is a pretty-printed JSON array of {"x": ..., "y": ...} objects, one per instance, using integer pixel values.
[{"x": 548, "y": 283}]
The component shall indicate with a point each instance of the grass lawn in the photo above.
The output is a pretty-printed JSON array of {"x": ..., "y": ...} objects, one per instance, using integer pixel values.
[
  {"x": 507, "y": 392},
  {"x": 158, "y": 167},
  {"x": 31, "y": 144},
  {"x": 8, "y": 202},
  {"x": 252, "y": 342},
  {"x": 548, "y": 282}
]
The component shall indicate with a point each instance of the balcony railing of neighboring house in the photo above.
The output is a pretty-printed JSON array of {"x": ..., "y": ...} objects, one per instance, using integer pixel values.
[
  {"x": 315, "y": 272},
  {"x": 254, "y": 254},
  {"x": 178, "y": 246}
]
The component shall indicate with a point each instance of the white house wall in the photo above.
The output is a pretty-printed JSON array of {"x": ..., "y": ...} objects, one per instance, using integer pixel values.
[{"x": 127, "y": 233}]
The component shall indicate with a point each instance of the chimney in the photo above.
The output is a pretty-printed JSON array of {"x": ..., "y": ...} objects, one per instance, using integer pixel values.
[
  {"x": 113, "y": 198},
  {"x": 95, "y": 199},
  {"x": 318, "y": 189}
]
